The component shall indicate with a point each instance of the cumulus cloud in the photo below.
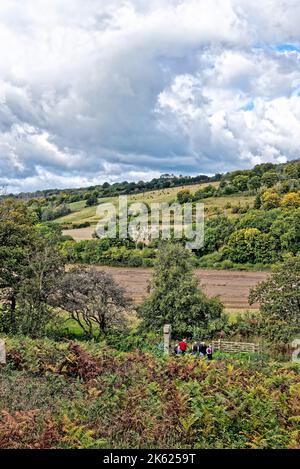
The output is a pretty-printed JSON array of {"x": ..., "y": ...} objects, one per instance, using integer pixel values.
[
  {"x": 245, "y": 106},
  {"x": 93, "y": 91}
]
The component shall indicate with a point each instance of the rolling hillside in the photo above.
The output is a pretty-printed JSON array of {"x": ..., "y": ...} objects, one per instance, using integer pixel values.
[{"x": 82, "y": 214}]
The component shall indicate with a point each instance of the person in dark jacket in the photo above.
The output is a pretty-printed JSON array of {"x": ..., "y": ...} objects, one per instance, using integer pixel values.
[
  {"x": 202, "y": 349},
  {"x": 195, "y": 348},
  {"x": 209, "y": 352}
]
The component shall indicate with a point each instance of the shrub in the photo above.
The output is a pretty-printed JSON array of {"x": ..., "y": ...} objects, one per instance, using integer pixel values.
[
  {"x": 291, "y": 200},
  {"x": 270, "y": 199}
]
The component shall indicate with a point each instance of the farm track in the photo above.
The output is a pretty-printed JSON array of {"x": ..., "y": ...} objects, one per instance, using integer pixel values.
[{"x": 231, "y": 286}]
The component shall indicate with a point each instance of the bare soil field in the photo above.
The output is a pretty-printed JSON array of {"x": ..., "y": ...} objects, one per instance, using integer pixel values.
[
  {"x": 80, "y": 234},
  {"x": 231, "y": 286}
]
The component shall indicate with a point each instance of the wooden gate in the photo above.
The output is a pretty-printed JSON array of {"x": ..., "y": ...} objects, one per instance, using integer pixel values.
[{"x": 236, "y": 347}]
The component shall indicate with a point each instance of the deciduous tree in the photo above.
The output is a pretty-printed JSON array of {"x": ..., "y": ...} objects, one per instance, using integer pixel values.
[
  {"x": 279, "y": 299},
  {"x": 93, "y": 299},
  {"x": 175, "y": 296}
]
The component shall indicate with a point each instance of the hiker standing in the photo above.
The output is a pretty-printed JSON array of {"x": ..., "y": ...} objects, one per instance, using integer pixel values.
[
  {"x": 202, "y": 349},
  {"x": 209, "y": 352},
  {"x": 183, "y": 346},
  {"x": 195, "y": 348}
]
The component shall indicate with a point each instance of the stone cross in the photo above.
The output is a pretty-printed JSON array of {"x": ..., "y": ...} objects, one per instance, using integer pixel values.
[
  {"x": 2, "y": 352},
  {"x": 167, "y": 338}
]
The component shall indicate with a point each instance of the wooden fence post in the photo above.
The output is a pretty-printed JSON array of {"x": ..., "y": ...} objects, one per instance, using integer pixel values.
[
  {"x": 2, "y": 352},
  {"x": 167, "y": 338}
]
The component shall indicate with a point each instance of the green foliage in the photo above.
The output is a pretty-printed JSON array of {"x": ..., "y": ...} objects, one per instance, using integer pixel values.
[
  {"x": 184, "y": 196},
  {"x": 93, "y": 299},
  {"x": 175, "y": 297},
  {"x": 286, "y": 229},
  {"x": 108, "y": 251},
  {"x": 216, "y": 233},
  {"x": 206, "y": 192},
  {"x": 279, "y": 299},
  {"x": 270, "y": 199},
  {"x": 291, "y": 200},
  {"x": 241, "y": 182},
  {"x": 91, "y": 200},
  {"x": 60, "y": 395},
  {"x": 50, "y": 213},
  {"x": 276, "y": 187},
  {"x": 254, "y": 183},
  {"x": 31, "y": 263},
  {"x": 250, "y": 245},
  {"x": 292, "y": 171},
  {"x": 246, "y": 326},
  {"x": 269, "y": 178}
]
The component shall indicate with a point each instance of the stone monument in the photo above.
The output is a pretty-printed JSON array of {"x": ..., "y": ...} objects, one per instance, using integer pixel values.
[
  {"x": 167, "y": 338},
  {"x": 2, "y": 352}
]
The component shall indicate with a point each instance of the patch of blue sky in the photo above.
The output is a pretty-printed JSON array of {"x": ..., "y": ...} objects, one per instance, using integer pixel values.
[
  {"x": 249, "y": 106},
  {"x": 284, "y": 47},
  {"x": 287, "y": 48},
  {"x": 296, "y": 91}
]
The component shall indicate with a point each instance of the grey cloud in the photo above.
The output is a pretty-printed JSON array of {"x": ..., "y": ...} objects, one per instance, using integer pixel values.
[{"x": 90, "y": 90}]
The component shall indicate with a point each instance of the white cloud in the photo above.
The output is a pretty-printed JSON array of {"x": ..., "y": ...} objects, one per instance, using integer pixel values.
[
  {"x": 222, "y": 113},
  {"x": 118, "y": 90}
]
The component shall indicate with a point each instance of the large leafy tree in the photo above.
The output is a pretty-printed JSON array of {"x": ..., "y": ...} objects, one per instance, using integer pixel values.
[
  {"x": 93, "y": 299},
  {"x": 17, "y": 237},
  {"x": 279, "y": 300},
  {"x": 30, "y": 265},
  {"x": 41, "y": 275},
  {"x": 287, "y": 230},
  {"x": 270, "y": 178},
  {"x": 216, "y": 234},
  {"x": 241, "y": 182},
  {"x": 251, "y": 245},
  {"x": 175, "y": 296},
  {"x": 254, "y": 183}
]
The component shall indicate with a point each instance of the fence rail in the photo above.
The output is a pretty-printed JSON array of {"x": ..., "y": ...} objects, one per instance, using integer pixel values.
[{"x": 237, "y": 347}]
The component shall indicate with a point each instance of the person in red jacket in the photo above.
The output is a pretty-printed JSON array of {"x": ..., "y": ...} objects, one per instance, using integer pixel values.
[{"x": 183, "y": 346}]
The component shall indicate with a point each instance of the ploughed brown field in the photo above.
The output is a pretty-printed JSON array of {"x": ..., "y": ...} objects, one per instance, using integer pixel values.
[{"x": 232, "y": 287}]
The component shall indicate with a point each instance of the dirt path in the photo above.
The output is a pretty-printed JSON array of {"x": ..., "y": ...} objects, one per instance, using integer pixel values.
[{"x": 232, "y": 287}]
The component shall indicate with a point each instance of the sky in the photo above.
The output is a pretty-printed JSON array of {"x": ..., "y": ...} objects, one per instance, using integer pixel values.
[{"x": 96, "y": 90}]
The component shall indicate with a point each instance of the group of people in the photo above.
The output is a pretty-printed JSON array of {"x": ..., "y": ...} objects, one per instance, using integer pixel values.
[{"x": 198, "y": 349}]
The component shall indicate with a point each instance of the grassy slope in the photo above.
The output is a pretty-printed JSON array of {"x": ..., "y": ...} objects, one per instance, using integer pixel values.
[
  {"x": 90, "y": 395},
  {"x": 81, "y": 214}
]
